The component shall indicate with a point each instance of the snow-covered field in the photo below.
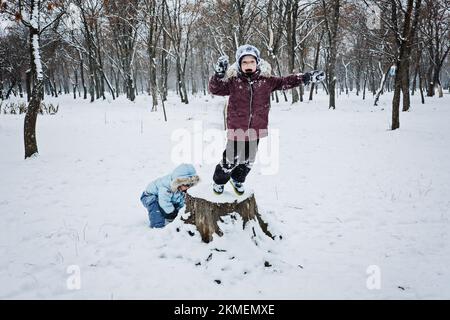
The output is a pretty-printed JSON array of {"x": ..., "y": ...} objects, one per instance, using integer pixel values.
[{"x": 363, "y": 211}]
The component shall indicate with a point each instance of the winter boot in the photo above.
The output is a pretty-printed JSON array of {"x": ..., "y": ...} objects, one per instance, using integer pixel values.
[
  {"x": 218, "y": 188},
  {"x": 238, "y": 187}
]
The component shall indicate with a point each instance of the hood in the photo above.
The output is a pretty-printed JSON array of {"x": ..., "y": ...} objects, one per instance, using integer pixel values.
[
  {"x": 264, "y": 68},
  {"x": 184, "y": 174}
]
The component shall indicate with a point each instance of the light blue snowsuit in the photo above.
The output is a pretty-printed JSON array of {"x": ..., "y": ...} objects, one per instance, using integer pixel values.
[{"x": 162, "y": 197}]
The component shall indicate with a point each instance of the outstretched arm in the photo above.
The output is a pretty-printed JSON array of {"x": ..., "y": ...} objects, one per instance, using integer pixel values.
[
  {"x": 288, "y": 82},
  {"x": 294, "y": 80},
  {"x": 219, "y": 86}
]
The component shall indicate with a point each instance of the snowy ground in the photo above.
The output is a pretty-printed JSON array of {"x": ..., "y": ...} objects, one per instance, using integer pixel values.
[{"x": 363, "y": 211}]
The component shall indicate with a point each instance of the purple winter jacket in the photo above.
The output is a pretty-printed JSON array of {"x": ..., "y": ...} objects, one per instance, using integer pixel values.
[{"x": 249, "y": 101}]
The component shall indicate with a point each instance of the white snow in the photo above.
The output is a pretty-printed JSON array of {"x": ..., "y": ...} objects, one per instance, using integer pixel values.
[
  {"x": 37, "y": 57},
  {"x": 34, "y": 21},
  {"x": 73, "y": 17},
  {"x": 203, "y": 191},
  {"x": 351, "y": 200}
]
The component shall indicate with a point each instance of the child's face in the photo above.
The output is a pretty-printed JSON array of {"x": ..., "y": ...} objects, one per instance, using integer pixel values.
[
  {"x": 248, "y": 64},
  {"x": 183, "y": 188}
]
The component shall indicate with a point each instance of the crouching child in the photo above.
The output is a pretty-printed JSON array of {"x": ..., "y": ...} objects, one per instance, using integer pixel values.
[{"x": 164, "y": 197}]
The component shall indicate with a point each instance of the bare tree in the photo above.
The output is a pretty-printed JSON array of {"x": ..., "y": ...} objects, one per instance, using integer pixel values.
[
  {"x": 404, "y": 37},
  {"x": 13, "y": 62},
  {"x": 124, "y": 20},
  {"x": 180, "y": 17},
  {"x": 435, "y": 31},
  {"x": 276, "y": 14},
  {"x": 331, "y": 15},
  {"x": 37, "y": 16},
  {"x": 291, "y": 28},
  {"x": 152, "y": 36},
  {"x": 140, "y": 45}
]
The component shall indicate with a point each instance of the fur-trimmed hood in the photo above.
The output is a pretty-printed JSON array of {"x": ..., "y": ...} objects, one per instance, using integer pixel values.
[
  {"x": 184, "y": 174},
  {"x": 264, "y": 68}
]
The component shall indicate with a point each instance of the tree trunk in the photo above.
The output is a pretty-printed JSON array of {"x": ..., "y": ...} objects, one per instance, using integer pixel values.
[
  {"x": 316, "y": 62},
  {"x": 29, "y": 127},
  {"x": 332, "y": 24},
  {"x": 19, "y": 84},
  {"x": 91, "y": 79},
  {"x": 402, "y": 66},
  {"x": 205, "y": 214},
  {"x": 416, "y": 71},
  {"x": 430, "y": 91},
  {"x": 1, "y": 86},
  {"x": 83, "y": 83},
  {"x": 31, "y": 119},
  {"x": 279, "y": 74},
  {"x": 358, "y": 78},
  {"x": 164, "y": 71},
  {"x": 136, "y": 89},
  {"x": 346, "y": 76},
  {"x": 92, "y": 82},
  {"x": 111, "y": 89},
  {"x": 302, "y": 86},
  {"x": 13, "y": 84},
  {"x": 99, "y": 63},
  {"x": 28, "y": 84},
  {"x": 422, "y": 97},
  {"x": 364, "y": 86},
  {"x": 437, "y": 81},
  {"x": 292, "y": 8},
  {"x": 204, "y": 73},
  {"x": 407, "y": 61},
  {"x": 116, "y": 80},
  {"x": 152, "y": 75},
  {"x": 183, "y": 89},
  {"x": 181, "y": 83},
  {"x": 75, "y": 84},
  {"x": 382, "y": 84},
  {"x": 405, "y": 87},
  {"x": 396, "y": 102},
  {"x": 66, "y": 79},
  {"x": 131, "y": 94}
]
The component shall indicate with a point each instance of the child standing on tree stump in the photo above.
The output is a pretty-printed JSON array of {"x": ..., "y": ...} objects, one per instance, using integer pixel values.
[
  {"x": 249, "y": 84},
  {"x": 164, "y": 197}
]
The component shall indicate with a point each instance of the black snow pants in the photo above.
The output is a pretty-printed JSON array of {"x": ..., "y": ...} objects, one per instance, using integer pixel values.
[{"x": 237, "y": 161}]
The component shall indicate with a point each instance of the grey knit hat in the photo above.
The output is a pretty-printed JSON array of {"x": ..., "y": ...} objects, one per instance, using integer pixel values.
[{"x": 247, "y": 50}]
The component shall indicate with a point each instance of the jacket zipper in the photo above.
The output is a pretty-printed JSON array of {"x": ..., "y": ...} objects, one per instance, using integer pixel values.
[{"x": 251, "y": 102}]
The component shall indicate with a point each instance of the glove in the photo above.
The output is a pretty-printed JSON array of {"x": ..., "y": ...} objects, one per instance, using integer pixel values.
[
  {"x": 314, "y": 76},
  {"x": 170, "y": 215},
  {"x": 221, "y": 66}
]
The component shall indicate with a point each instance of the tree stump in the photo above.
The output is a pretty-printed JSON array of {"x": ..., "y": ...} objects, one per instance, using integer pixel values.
[{"x": 206, "y": 209}]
